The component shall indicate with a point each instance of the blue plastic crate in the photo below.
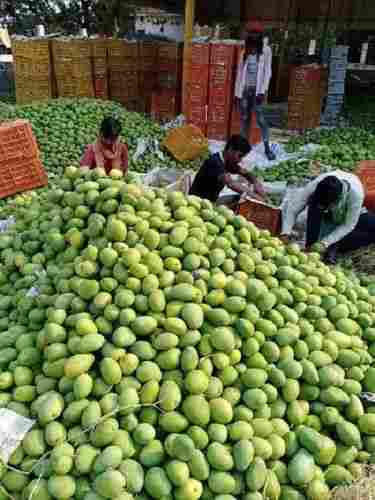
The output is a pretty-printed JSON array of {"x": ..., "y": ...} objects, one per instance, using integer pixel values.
[
  {"x": 340, "y": 51},
  {"x": 338, "y": 65},
  {"x": 336, "y": 88},
  {"x": 338, "y": 76}
]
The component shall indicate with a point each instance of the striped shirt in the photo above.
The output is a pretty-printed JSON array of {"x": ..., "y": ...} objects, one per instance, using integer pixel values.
[{"x": 251, "y": 72}]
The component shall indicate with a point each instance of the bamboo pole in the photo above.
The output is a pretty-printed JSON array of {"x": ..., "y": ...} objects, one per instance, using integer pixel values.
[
  {"x": 282, "y": 48},
  {"x": 189, "y": 27}
]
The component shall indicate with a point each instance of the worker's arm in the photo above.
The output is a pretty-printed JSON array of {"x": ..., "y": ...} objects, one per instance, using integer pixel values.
[
  {"x": 252, "y": 179},
  {"x": 296, "y": 203},
  {"x": 124, "y": 158},
  {"x": 88, "y": 158},
  {"x": 241, "y": 188},
  {"x": 354, "y": 211}
]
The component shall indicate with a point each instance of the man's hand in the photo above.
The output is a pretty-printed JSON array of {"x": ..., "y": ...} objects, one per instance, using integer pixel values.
[
  {"x": 259, "y": 188},
  {"x": 318, "y": 247},
  {"x": 285, "y": 238},
  {"x": 259, "y": 100}
]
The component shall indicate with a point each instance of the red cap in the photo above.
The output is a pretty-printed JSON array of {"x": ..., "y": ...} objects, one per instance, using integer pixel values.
[{"x": 254, "y": 26}]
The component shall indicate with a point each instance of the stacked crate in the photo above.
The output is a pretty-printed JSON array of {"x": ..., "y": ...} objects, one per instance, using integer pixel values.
[
  {"x": 147, "y": 70},
  {"x": 20, "y": 165},
  {"x": 166, "y": 100},
  {"x": 304, "y": 104},
  {"x": 197, "y": 91},
  {"x": 220, "y": 92},
  {"x": 123, "y": 73},
  {"x": 338, "y": 67},
  {"x": 100, "y": 68},
  {"x": 33, "y": 70},
  {"x": 72, "y": 65}
]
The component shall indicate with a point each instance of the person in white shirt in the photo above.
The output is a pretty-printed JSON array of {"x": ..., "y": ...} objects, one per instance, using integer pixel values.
[
  {"x": 252, "y": 83},
  {"x": 336, "y": 218}
]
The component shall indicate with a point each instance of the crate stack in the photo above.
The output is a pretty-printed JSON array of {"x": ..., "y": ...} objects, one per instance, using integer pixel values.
[
  {"x": 72, "y": 65},
  {"x": 33, "y": 70},
  {"x": 99, "y": 59},
  {"x": 197, "y": 91},
  {"x": 304, "y": 104},
  {"x": 20, "y": 165},
  {"x": 123, "y": 73},
  {"x": 147, "y": 71},
  {"x": 166, "y": 99},
  {"x": 220, "y": 92},
  {"x": 338, "y": 67}
]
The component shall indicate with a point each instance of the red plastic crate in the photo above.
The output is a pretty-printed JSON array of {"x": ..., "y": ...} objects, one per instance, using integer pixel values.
[
  {"x": 223, "y": 54},
  {"x": 147, "y": 81},
  {"x": 199, "y": 74},
  {"x": 100, "y": 66},
  {"x": 305, "y": 77},
  {"x": 198, "y": 95},
  {"x": 173, "y": 67},
  {"x": 200, "y": 54},
  {"x": 167, "y": 80},
  {"x": 148, "y": 64},
  {"x": 221, "y": 76},
  {"x": 219, "y": 97},
  {"x": 165, "y": 104},
  {"x": 101, "y": 88},
  {"x": 197, "y": 114},
  {"x": 218, "y": 114},
  {"x": 264, "y": 216},
  {"x": 17, "y": 141},
  {"x": 217, "y": 131}
]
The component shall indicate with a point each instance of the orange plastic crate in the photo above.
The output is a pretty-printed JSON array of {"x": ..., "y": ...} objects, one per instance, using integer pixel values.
[
  {"x": 24, "y": 171},
  {"x": 186, "y": 143},
  {"x": 21, "y": 175},
  {"x": 170, "y": 51},
  {"x": 263, "y": 216},
  {"x": 99, "y": 48},
  {"x": 366, "y": 172},
  {"x": 17, "y": 141}
]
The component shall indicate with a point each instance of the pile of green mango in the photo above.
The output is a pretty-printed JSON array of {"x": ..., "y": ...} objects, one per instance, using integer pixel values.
[
  {"x": 63, "y": 127},
  {"x": 168, "y": 349},
  {"x": 341, "y": 148}
]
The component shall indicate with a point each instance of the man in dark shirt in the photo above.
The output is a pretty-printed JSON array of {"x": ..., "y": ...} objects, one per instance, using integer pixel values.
[{"x": 216, "y": 172}]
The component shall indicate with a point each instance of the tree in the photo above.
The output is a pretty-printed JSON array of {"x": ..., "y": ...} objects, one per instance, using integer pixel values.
[{"x": 66, "y": 15}]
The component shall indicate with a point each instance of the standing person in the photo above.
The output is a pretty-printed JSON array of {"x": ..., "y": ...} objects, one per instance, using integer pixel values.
[
  {"x": 216, "y": 172},
  {"x": 108, "y": 151},
  {"x": 336, "y": 218},
  {"x": 252, "y": 83}
]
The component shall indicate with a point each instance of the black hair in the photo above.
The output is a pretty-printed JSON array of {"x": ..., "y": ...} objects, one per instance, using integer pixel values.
[
  {"x": 238, "y": 143},
  {"x": 258, "y": 43},
  {"x": 110, "y": 128},
  {"x": 328, "y": 191}
]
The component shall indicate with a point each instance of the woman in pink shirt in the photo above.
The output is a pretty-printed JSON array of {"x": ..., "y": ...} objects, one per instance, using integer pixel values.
[{"x": 107, "y": 152}]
